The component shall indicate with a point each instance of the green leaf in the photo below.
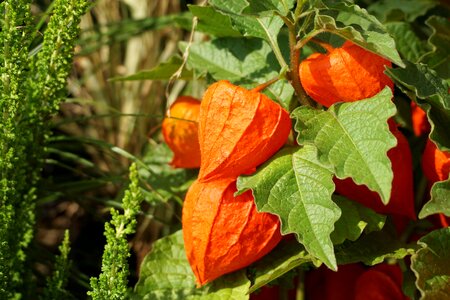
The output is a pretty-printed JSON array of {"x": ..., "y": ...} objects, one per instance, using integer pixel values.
[
  {"x": 162, "y": 71},
  {"x": 431, "y": 265},
  {"x": 355, "y": 219},
  {"x": 418, "y": 80},
  {"x": 229, "y": 6},
  {"x": 297, "y": 187},
  {"x": 264, "y": 7},
  {"x": 408, "y": 43},
  {"x": 261, "y": 27},
  {"x": 409, "y": 10},
  {"x": 213, "y": 22},
  {"x": 355, "y": 24},
  {"x": 372, "y": 249},
  {"x": 440, "y": 200},
  {"x": 439, "y": 57},
  {"x": 282, "y": 92},
  {"x": 166, "y": 274},
  {"x": 285, "y": 257},
  {"x": 354, "y": 137}
]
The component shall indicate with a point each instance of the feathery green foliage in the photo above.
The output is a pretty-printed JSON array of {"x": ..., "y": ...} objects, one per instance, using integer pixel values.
[
  {"x": 112, "y": 282},
  {"x": 32, "y": 86},
  {"x": 57, "y": 282}
]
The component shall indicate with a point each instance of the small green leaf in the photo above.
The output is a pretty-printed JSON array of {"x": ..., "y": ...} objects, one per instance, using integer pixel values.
[
  {"x": 408, "y": 43},
  {"x": 166, "y": 274},
  {"x": 162, "y": 71},
  {"x": 297, "y": 187},
  {"x": 440, "y": 200},
  {"x": 285, "y": 257},
  {"x": 418, "y": 80},
  {"x": 355, "y": 24},
  {"x": 354, "y": 137},
  {"x": 386, "y": 10},
  {"x": 372, "y": 249},
  {"x": 213, "y": 22},
  {"x": 431, "y": 265},
  {"x": 439, "y": 58},
  {"x": 355, "y": 219}
]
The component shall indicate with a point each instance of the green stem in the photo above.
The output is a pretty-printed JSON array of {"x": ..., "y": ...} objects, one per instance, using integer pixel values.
[
  {"x": 274, "y": 45},
  {"x": 293, "y": 74}
]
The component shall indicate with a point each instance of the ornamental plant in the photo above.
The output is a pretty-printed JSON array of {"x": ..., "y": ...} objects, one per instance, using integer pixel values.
[{"x": 306, "y": 112}]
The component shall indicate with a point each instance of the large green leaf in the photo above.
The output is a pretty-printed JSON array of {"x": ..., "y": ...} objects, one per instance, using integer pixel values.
[
  {"x": 229, "y": 6},
  {"x": 440, "y": 200},
  {"x": 166, "y": 274},
  {"x": 213, "y": 22},
  {"x": 162, "y": 71},
  {"x": 264, "y": 7},
  {"x": 261, "y": 27},
  {"x": 285, "y": 257},
  {"x": 410, "y": 46},
  {"x": 409, "y": 10},
  {"x": 355, "y": 24},
  {"x": 439, "y": 57},
  {"x": 355, "y": 219},
  {"x": 431, "y": 265},
  {"x": 354, "y": 137},
  {"x": 372, "y": 249},
  {"x": 297, "y": 187},
  {"x": 418, "y": 80}
]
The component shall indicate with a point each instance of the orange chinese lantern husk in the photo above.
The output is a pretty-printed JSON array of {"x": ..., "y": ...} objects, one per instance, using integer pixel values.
[
  {"x": 238, "y": 130},
  {"x": 180, "y": 131},
  {"x": 402, "y": 193},
  {"x": 435, "y": 163},
  {"x": 345, "y": 74},
  {"x": 223, "y": 233},
  {"x": 419, "y": 120}
]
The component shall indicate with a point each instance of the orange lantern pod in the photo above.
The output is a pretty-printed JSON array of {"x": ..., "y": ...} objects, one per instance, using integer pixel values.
[
  {"x": 419, "y": 120},
  {"x": 223, "y": 233},
  {"x": 238, "y": 130},
  {"x": 180, "y": 131},
  {"x": 402, "y": 194},
  {"x": 435, "y": 163},
  {"x": 345, "y": 74}
]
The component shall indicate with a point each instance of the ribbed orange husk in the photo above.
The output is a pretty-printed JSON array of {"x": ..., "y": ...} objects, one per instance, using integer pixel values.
[
  {"x": 238, "y": 130},
  {"x": 419, "y": 120},
  {"x": 435, "y": 163},
  {"x": 402, "y": 193},
  {"x": 180, "y": 132},
  {"x": 223, "y": 233},
  {"x": 345, "y": 74}
]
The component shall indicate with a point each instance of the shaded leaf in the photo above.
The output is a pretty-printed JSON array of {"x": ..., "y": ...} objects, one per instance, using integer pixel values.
[
  {"x": 355, "y": 219},
  {"x": 344, "y": 139},
  {"x": 418, "y": 80},
  {"x": 372, "y": 249},
  {"x": 261, "y": 27},
  {"x": 410, "y": 46},
  {"x": 355, "y": 24},
  {"x": 297, "y": 187},
  {"x": 162, "y": 71},
  {"x": 264, "y": 7},
  {"x": 440, "y": 200},
  {"x": 166, "y": 274},
  {"x": 285, "y": 257},
  {"x": 431, "y": 265},
  {"x": 213, "y": 22},
  {"x": 229, "y": 6},
  {"x": 409, "y": 10},
  {"x": 439, "y": 57}
]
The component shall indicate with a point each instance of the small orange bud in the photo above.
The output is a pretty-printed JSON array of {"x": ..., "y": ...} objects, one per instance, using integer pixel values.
[
  {"x": 180, "y": 131},
  {"x": 419, "y": 120},
  {"x": 238, "y": 130},
  {"x": 345, "y": 74},
  {"x": 223, "y": 233}
]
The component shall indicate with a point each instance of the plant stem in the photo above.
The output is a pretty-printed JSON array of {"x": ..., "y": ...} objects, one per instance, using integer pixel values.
[
  {"x": 264, "y": 85},
  {"x": 274, "y": 46},
  {"x": 293, "y": 73}
]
